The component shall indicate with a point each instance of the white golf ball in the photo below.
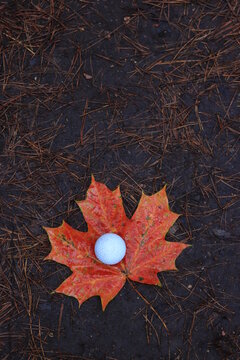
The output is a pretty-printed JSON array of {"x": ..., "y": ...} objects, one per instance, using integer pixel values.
[{"x": 110, "y": 249}]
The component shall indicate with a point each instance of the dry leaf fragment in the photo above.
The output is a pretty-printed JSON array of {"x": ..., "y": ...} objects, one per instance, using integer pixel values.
[{"x": 87, "y": 76}]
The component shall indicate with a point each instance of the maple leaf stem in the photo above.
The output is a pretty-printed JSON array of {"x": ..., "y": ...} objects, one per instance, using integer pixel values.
[
  {"x": 60, "y": 320},
  {"x": 149, "y": 304}
]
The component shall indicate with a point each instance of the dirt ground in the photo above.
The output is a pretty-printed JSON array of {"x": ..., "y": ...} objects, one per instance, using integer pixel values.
[{"x": 141, "y": 94}]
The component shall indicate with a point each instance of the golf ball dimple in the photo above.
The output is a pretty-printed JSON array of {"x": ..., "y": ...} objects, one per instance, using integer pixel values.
[{"x": 110, "y": 249}]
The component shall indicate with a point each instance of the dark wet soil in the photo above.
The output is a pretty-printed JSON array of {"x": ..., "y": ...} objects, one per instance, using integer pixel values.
[{"x": 141, "y": 94}]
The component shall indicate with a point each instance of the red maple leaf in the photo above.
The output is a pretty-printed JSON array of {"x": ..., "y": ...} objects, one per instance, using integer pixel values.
[{"x": 148, "y": 253}]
